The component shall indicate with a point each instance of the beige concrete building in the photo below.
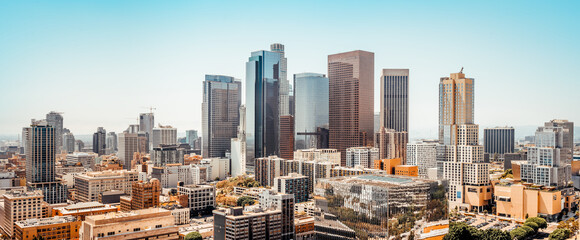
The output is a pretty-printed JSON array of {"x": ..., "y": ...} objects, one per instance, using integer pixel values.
[
  {"x": 351, "y": 100},
  {"x": 18, "y": 206},
  {"x": 234, "y": 223},
  {"x": 318, "y": 155},
  {"x": 200, "y": 198},
  {"x": 391, "y": 144},
  {"x": 89, "y": 185},
  {"x": 48, "y": 228},
  {"x": 152, "y": 223}
]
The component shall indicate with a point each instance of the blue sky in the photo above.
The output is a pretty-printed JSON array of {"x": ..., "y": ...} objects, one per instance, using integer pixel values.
[{"x": 104, "y": 62}]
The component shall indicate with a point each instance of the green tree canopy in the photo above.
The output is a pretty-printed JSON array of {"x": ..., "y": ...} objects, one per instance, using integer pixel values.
[
  {"x": 538, "y": 220},
  {"x": 245, "y": 200},
  {"x": 459, "y": 231},
  {"x": 193, "y": 236},
  {"x": 560, "y": 234},
  {"x": 533, "y": 225},
  {"x": 495, "y": 234}
]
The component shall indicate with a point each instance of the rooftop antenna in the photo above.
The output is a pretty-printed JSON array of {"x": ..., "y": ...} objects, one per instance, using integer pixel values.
[{"x": 461, "y": 70}]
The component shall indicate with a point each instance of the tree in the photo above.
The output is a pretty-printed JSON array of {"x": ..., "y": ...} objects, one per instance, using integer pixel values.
[
  {"x": 538, "y": 220},
  {"x": 485, "y": 215},
  {"x": 411, "y": 235},
  {"x": 560, "y": 234},
  {"x": 459, "y": 231},
  {"x": 533, "y": 225},
  {"x": 495, "y": 234},
  {"x": 193, "y": 236},
  {"x": 245, "y": 200}
]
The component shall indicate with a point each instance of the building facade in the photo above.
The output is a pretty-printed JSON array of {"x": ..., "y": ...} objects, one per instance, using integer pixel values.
[
  {"x": 423, "y": 155},
  {"x": 18, "y": 206},
  {"x": 234, "y": 223},
  {"x": 361, "y": 156},
  {"x": 163, "y": 135},
  {"x": 128, "y": 145},
  {"x": 311, "y": 110},
  {"x": 90, "y": 184},
  {"x": 395, "y": 99},
  {"x": 286, "y": 136},
  {"x": 498, "y": 140},
  {"x": 222, "y": 97},
  {"x": 200, "y": 198},
  {"x": 351, "y": 100},
  {"x": 391, "y": 144},
  {"x": 48, "y": 228},
  {"x": 99, "y": 141},
  {"x": 295, "y": 184}
]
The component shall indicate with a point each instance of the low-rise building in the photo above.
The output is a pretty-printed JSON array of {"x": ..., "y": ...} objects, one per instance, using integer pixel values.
[
  {"x": 48, "y": 228},
  {"x": 90, "y": 184},
  {"x": 304, "y": 226},
  {"x": 151, "y": 223},
  {"x": 327, "y": 226},
  {"x": 20, "y": 205},
  {"x": 407, "y": 170},
  {"x": 234, "y": 223},
  {"x": 200, "y": 198},
  {"x": 84, "y": 209},
  {"x": 294, "y": 183}
]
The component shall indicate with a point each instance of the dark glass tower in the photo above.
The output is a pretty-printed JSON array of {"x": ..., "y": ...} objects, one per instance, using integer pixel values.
[{"x": 262, "y": 107}]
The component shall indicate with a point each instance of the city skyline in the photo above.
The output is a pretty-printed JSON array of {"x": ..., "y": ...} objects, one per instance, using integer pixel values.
[{"x": 115, "y": 57}]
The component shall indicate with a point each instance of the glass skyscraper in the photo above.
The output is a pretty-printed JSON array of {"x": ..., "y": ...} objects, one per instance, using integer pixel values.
[
  {"x": 262, "y": 107},
  {"x": 222, "y": 97},
  {"x": 311, "y": 110}
]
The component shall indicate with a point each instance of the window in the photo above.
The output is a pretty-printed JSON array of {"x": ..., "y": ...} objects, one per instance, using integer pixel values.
[
  {"x": 136, "y": 229},
  {"x": 158, "y": 226}
]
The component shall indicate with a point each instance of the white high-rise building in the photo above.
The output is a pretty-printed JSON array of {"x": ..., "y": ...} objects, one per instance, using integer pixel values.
[
  {"x": 423, "y": 155},
  {"x": 163, "y": 135},
  {"x": 146, "y": 122},
  {"x": 238, "y": 149},
  {"x": 361, "y": 156},
  {"x": 284, "y": 84}
]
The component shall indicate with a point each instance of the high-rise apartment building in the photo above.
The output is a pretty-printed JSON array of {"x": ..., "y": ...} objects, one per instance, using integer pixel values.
[
  {"x": 423, "y": 155},
  {"x": 567, "y": 137},
  {"x": 284, "y": 203},
  {"x": 294, "y": 183},
  {"x": 498, "y": 140},
  {"x": 234, "y": 223},
  {"x": 395, "y": 99},
  {"x": 391, "y": 143},
  {"x": 284, "y": 102},
  {"x": 40, "y": 162},
  {"x": 55, "y": 120},
  {"x": 167, "y": 154},
  {"x": 147, "y": 122},
  {"x": 222, "y": 97},
  {"x": 18, "y": 206},
  {"x": 128, "y": 146},
  {"x": 163, "y": 135},
  {"x": 263, "y": 72},
  {"x": 546, "y": 165},
  {"x": 311, "y": 110},
  {"x": 287, "y": 136},
  {"x": 99, "y": 141},
  {"x": 459, "y": 156},
  {"x": 361, "y": 156},
  {"x": 351, "y": 100}
]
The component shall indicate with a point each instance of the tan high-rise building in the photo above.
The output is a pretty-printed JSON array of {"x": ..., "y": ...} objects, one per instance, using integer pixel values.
[
  {"x": 351, "y": 100},
  {"x": 391, "y": 144},
  {"x": 287, "y": 137},
  {"x": 144, "y": 195},
  {"x": 90, "y": 184},
  {"x": 19, "y": 206},
  {"x": 459, "y": 155}
]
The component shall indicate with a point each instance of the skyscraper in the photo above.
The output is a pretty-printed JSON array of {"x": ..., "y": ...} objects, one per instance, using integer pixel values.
[
  {"x": 351, "y": 100},
  {"x": 191, "y": 138},
  {"x": 284, "y": 83},
  {"x": 55, "y": 120},
  {"x": 222, "y": 97},
  {"x": 163, "y": 135},
  {"x": 111, "y": 142},
  {"x": 311, "y": 110},
  {"x": 238, "y": 151},
  {"x": 395, "y": 99},
  {"x": 40, "y": 162},
  {"x": 146, "y": 122},
  {"x": 459, "y": 156},
  {"x": 498, "y": 140},
  {"x": 99, "y": 141},
  {"x": 567, "y": 137},
  {"x": 287, "y": 137},
  {"x": 68, "y": 142},
  {"x": 391, "y": 144},
  {"x": 127, "y": 147},
  {"x": 262, "y": 109}
]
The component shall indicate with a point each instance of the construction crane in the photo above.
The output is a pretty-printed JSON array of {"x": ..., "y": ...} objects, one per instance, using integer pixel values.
[{"x": 151, "y": 108}]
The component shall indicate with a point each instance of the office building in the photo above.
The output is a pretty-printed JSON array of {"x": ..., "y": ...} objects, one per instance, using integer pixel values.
[
  {"x": 171, "y": 174},
  {"x": 395, "y": 99},
  {"x": 327, "y": 226},
  {"x": 459, "y": 155},
  {"x": 151, "y": 223},
  {"x": 20, "y": 205},
  {"x": 546, "y": 165},
  {"x": 127, "y": 147},
  {"x": 234, "y": 223},
  {"x": 81, "y": 210},
  {"x": 163, "y": 135},
  {"x": 200, "y": 198},
  {"x": 99, "y": 142},
  {"x": 238, "y": 150},
  {"x": 498, "y": 141},
  {"x": 387, "y": 165},
  {"x": 111, "y": 143},
  {"x": 143, "y": 195},
  {"x": 361, "y": 156},
  {"x": 147, "y": 122},
  {"x": 55, "y": 120},
  {"x": 90, "y": 184},
  {"x": 319, "y": 155},
  {"x": 286, "y": 136},
  {"x": 284, "y": 203},
  {"x": 40, "y": 162},
  {"x": 79, "y": 145},
  {"x": 68, "y": 142},
  {"x": 87, "y": 160},
  {"x": 351, "y": 100},
  {"x": 293, "y": 183},
  {"x": 262, "y": 105},
  {"x": 143, "y": 145},
  {"x": 567, "y": 137},
  {"x": 48, "y": 228},
  {"x": 423, "y": 155},
  {"x": 222, "y": 97},
  {"x": 166, "y": 154},
  {"x": 284, "y": 99},
  {"x": 391, "y": 144},
  {"x": 311, "y": 110}
]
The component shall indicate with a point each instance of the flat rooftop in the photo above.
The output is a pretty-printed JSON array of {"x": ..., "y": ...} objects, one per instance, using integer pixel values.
[{"x": 35, "y": 222}]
